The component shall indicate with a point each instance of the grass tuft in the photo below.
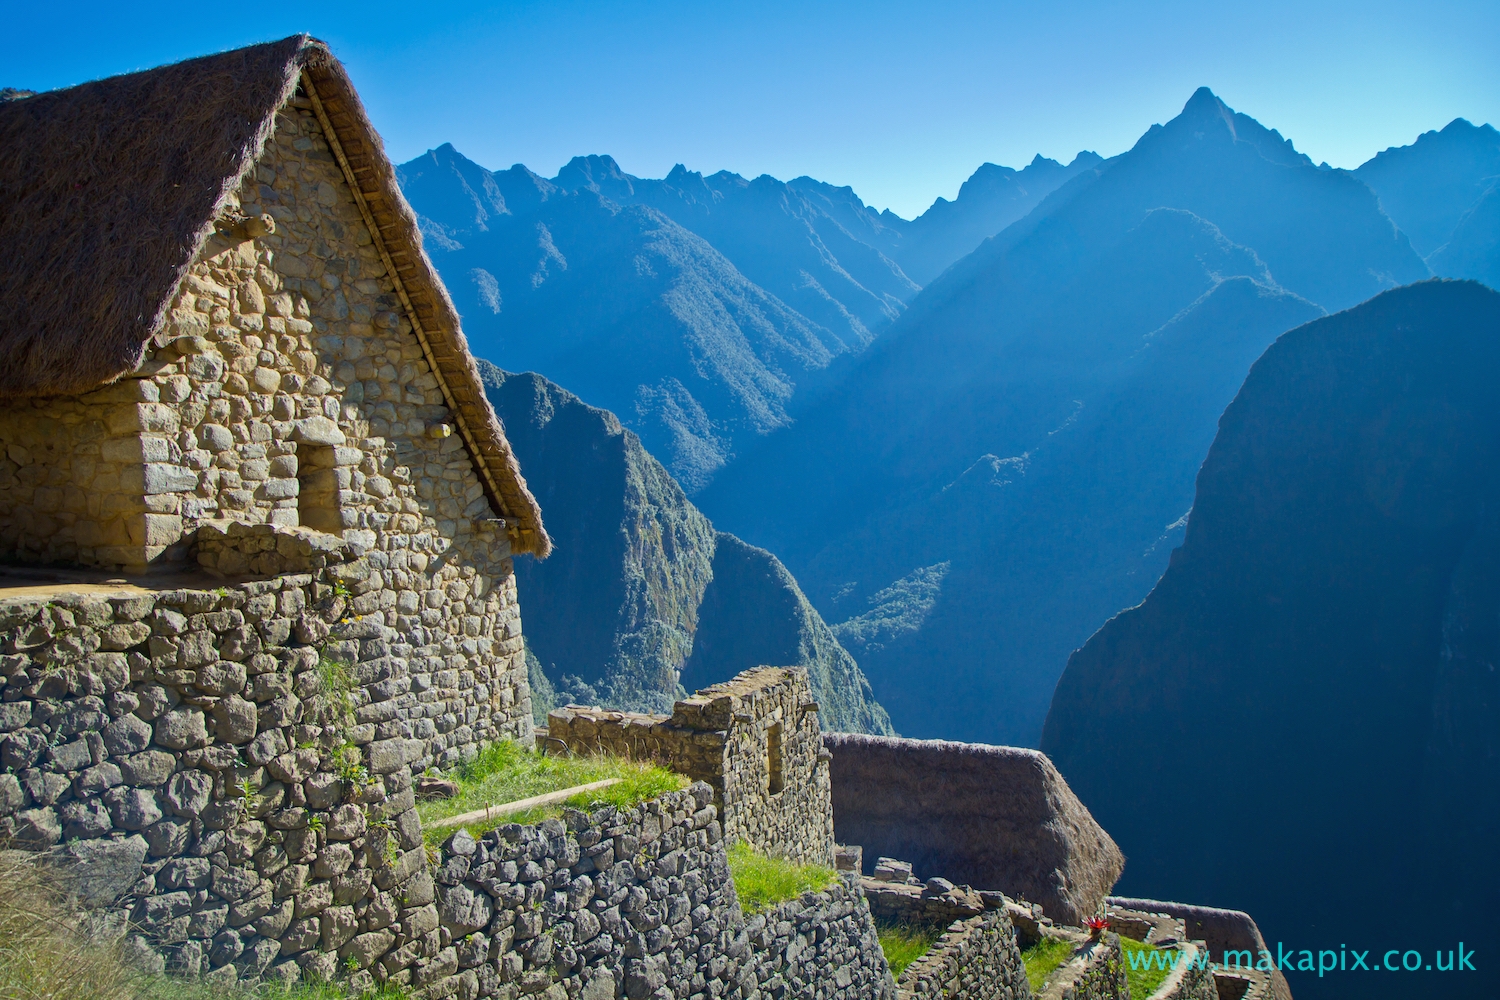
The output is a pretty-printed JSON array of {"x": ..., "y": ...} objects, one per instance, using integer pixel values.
[
  {"x": 1043, "y": 958},
  {"x": 762, "y": 882},
  {"x": 903, "y": 944},
  {"x": 505, "y": 771}
]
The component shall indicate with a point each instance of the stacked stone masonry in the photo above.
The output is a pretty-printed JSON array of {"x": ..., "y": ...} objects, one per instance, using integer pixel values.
[
  {"x": 975, "y": 959},
  {"x": 184, "y": 755},
  {"x": 247, "y": 825},
  {"x": 1096, "y": 973},
  {"x": 287, "y": 409},
  {"x": 755, "y": 739},
  {"x": 823, "y": 944},
  {"x": 634, "y": 903}
]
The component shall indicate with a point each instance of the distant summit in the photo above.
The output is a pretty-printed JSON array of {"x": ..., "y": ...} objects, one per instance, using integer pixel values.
[{"x": 1428, "y": 186}]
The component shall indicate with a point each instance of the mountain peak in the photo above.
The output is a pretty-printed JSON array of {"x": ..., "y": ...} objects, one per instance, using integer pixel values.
[
  {"x": 598, "y": 173},
  {"x": 1204, "y": 107}
]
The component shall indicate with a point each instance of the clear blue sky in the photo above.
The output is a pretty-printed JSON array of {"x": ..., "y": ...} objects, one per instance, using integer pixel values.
[{"x": 901, "y": 101}]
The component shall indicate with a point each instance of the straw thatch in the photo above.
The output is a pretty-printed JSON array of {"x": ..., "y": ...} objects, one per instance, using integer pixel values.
[
  {"x": 108, "y": 191},
  {"x": 993, "y": 817}
]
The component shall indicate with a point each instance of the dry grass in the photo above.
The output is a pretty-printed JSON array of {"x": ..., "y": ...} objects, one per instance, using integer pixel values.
[
  {"x": 42, "y": 953},
  {"x": 45, "y": 954}
]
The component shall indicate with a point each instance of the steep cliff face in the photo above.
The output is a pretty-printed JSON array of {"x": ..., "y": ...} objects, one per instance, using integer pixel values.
[
  {"x": 641, "y": 598},
  {"x": 611, "y": 617},
  {"x": 1309, "y": 691}
]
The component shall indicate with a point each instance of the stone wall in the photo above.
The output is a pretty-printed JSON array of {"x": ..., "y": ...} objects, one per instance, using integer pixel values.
[
  {"x": 1097, "y": 973},
  {"x": 236, "y": 810},
  {"x": 183, "y": 752},
  {"x": 76, "y": 480},
  {"x": 634, "y": 903},
  {"x": 215, "y": 676},
  {"x": 288, "y": 390},
  {"x": 822, "y": 944},
  {"x": 755, "y": 739}
]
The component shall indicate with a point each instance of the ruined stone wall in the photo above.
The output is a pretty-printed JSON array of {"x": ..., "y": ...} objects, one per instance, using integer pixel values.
[
  {"x": 1097, "y": 973},
  {"x": 821, "y": 944},
  {"x": 289, "y": 389},
  {"x": 193, "y": 759},
  {"x": 755, "y": 739},
  {"x": 976, "y": 959},
  {"x": 976, "y": 955}
]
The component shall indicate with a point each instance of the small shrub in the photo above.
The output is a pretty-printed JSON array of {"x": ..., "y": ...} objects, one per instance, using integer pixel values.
[
  {"x": 903, "y": 944},
  {"x": 762, "y": 882}
]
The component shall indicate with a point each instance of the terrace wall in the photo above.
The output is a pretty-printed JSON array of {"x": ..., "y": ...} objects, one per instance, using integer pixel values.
[
  {"x": 976, "y": 955},
  {"x": 163, "y": 748},
  {"x": 634, "y": 903}
]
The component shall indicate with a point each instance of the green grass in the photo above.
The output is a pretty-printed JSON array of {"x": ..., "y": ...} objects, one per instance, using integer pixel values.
[
  {"x": 1043, "y": 958},
  {"x": 762, "y": 882},
  {"x": 1143, "y": 981},
  {"x": 505, "y": 771},
  {"x": 903, "y": 944}
]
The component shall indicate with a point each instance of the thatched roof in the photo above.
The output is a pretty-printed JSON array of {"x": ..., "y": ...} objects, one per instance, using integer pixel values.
[
  {"x": 992, "y": 817},
  {"x": 108, "y": 191}
]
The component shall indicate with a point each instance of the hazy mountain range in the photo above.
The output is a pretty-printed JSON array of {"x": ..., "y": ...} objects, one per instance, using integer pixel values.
[
  {"x": 1035, "y": 419},
  {"x": 1310, "y": 690},
  {"x": 704, "y": 310},
  {"x": 966, "y": 480}
]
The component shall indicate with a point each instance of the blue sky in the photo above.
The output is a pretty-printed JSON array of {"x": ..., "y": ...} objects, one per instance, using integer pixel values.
[{"x": 901, "y": 101}]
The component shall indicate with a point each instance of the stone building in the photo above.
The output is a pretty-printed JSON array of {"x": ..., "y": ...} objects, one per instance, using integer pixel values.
[{"x": 226, "y": 353}]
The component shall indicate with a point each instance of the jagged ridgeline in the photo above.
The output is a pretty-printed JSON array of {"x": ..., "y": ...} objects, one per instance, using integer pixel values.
[
  {"x": 705, "y": 310},
  {"x": 642, "y": 599}
]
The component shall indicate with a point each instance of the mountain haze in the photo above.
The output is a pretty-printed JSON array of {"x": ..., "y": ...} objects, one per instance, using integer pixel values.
[
  {"x": 1315, "y": 671},
  {"x": 706, "y": 310},
  {"x": 1008, "y": 424},
  {"x": 991, "y": 199}
]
